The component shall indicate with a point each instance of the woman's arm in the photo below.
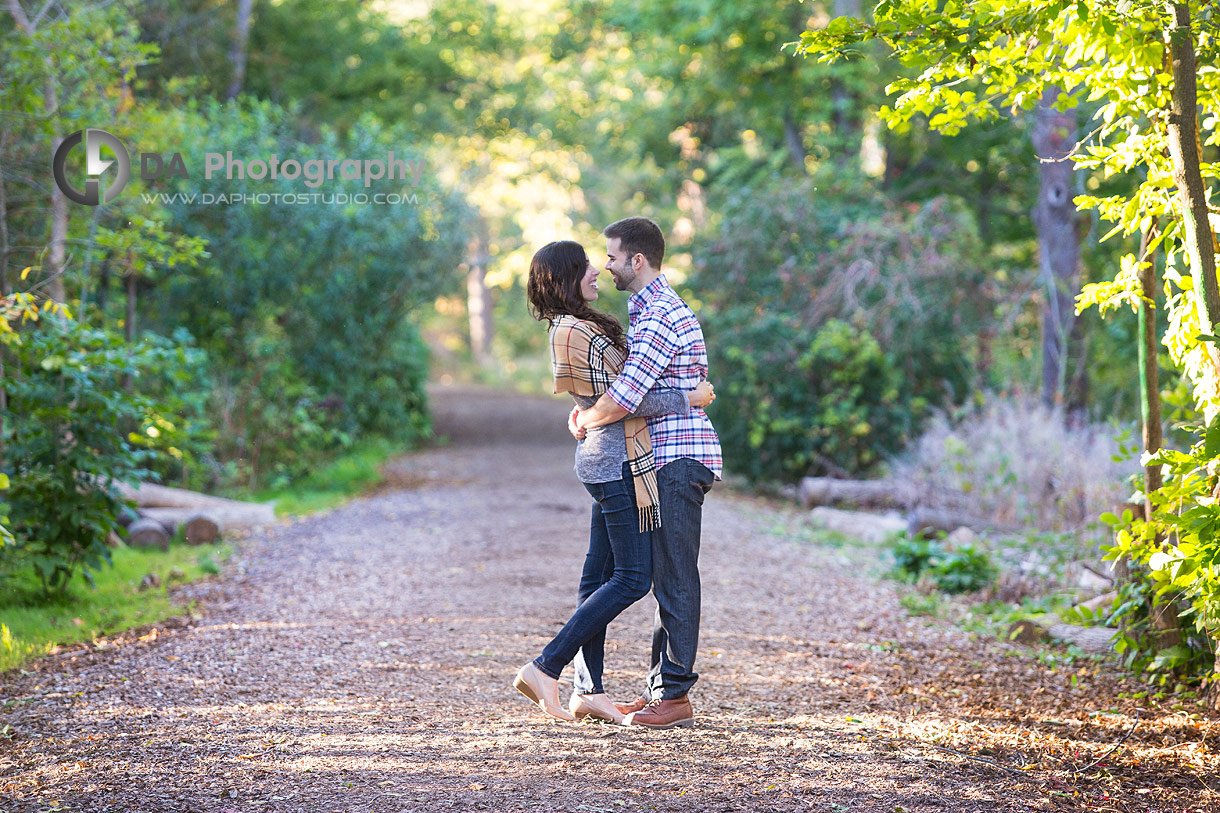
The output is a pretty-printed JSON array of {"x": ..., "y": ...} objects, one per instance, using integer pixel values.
[
  {"x": 669, "y": 400},
  {"x": 664, "y": 399}
]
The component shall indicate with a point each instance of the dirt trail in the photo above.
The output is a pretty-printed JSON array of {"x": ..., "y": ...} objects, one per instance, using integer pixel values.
[{"x": 361, "y": 660}]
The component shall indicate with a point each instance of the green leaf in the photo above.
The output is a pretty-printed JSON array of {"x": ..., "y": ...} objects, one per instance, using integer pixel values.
[
  {"x": 1170, "y": 658},
  {"x": 1211, "y": 446}
]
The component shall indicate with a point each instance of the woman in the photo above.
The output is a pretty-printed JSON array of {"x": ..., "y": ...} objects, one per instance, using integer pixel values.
[{"x": 588, "y": 348}]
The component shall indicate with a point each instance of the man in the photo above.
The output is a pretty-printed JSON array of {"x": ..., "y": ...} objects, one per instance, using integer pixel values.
[{"x": 666, "y": 349}]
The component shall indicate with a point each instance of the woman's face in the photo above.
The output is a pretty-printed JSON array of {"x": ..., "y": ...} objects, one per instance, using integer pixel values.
[{"x": 588, "y": 283}]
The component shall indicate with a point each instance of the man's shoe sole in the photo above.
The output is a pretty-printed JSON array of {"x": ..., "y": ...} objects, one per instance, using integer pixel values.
[{"x": 687, "y": 723}]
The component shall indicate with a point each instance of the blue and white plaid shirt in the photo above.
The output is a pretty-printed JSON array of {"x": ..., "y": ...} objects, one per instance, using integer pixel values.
[{"x": 667, "y": 350}]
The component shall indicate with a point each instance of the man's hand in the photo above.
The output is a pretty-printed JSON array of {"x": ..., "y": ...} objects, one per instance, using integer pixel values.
[
  {"x": 702, "y": 395},
  {"x": 578, "y": 432}
]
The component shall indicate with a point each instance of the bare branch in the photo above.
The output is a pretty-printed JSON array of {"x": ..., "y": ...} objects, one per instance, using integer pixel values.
[
  {"x": 20, "y": 17},
  {"x": 42, "y": 13}
]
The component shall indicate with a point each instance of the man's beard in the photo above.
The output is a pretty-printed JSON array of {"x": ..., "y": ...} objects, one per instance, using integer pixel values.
[{"x": 624, "y": 278}]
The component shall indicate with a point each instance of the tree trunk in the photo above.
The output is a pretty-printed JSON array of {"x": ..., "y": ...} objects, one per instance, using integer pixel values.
[
  {"x": 792, "y": 138},
  {"x": 6, "y": 286},
  {"x": 57, "y": 254},
  {"x": 87, "y": 272},
  {"x": 1054, "y": 136},
  {"x": 57, "y": 247},
  {"x": 478, "y": 299},
  {"x": 1197, "y": 235},
  {"x": 240, "y": 49},
  {"x": 129, "y": 326},
  {"x": 1150, "y": 392},
  {"x": 1184, "y": 151},
  {"x": 103, "y": 287},
  {"x": 843, "y": 107},
  {"x": 1076, "y": 384}
]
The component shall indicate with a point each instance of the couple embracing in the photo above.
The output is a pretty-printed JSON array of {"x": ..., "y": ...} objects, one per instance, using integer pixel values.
[{"x": 647, "y": 454}]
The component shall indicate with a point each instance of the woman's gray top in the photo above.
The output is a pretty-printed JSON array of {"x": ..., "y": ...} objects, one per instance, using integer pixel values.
[{"x": 601, "y": 455}]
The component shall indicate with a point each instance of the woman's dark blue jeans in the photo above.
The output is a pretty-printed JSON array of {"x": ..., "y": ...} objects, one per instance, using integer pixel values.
[{"x": 617, "y": 573}]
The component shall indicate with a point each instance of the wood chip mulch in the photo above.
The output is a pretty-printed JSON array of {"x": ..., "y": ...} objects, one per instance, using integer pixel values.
[{"x": 361, "y": 661}]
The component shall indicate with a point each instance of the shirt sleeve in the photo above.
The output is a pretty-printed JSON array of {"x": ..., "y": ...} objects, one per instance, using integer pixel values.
[{"x": 653, "y": 348}]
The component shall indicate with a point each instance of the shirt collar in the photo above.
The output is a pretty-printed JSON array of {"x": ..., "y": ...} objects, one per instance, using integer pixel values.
[{"x": 649, "y": 292}]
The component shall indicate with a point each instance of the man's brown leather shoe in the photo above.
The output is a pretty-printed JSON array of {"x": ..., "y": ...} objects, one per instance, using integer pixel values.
[
  {"x": 635, "y": 705},
  {"x": 663, "y": 714}
]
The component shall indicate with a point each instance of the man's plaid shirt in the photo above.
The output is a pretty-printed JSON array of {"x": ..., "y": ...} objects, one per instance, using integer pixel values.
[{"x": 667, "y": 349}]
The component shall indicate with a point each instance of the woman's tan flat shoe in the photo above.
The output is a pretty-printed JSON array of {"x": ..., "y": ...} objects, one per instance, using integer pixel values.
[
  {"x": 542, "y": 690},
  {"x": 594, "y": 705}
]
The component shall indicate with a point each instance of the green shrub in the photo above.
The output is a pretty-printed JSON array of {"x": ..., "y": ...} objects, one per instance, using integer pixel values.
[
  {"x": 74, "y": 425},
  {"x": 912, "y": 555},
  {"x": 834, "y": 320},
  {"x": 313, "y": 305},
  {"x": 174, "y": 378},
  {"x": 795, "y": 400},
  {"x": 954, "y": 569},
  {"x": 962, "y": 570}
]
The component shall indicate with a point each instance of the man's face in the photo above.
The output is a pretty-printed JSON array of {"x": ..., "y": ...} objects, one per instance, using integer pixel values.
[{"x": 619, "y": 264}]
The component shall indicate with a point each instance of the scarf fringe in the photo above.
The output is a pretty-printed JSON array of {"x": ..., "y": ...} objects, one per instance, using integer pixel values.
[{"x": 650, "y": 518}]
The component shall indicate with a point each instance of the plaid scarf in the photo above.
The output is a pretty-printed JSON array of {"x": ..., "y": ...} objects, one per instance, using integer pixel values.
[{"x": 586, "y": 362}]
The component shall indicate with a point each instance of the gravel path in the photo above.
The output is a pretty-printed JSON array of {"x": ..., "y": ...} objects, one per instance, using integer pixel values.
[{"x": 361, "y": 660}]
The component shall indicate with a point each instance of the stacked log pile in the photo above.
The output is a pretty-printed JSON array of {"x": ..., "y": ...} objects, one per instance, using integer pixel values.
[
  {"x": 201, "y": 517},
  {"x": 827, "y": 498}
]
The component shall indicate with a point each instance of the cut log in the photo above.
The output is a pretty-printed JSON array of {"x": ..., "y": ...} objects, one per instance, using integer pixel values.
[
  {"x": 201, "y": 529},
  {"x": 151, "y": 495},
  {"x": 960, "y": 538},
  {"x": 148, "y": 533},
  {"x": 922, "y": 521},
  {"x": 1097, "y": 602},
  {"x": 859, "y": 524},
  {"x": 231, "y": 516},
  {"x": 1092, "y": 640},
  {"x": 815, "y": 491}
]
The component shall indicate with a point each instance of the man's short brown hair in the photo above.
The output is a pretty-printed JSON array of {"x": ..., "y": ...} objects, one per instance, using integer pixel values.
[{"x": 639, "y": 235}]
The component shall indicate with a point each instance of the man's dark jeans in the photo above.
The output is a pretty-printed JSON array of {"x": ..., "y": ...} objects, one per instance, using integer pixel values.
[
  {"x": 617, "y": 572},
  {"x": 682, "y": 484}
]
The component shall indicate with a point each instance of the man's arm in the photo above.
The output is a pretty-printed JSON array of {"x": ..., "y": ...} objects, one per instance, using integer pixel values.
[
  {"x": 657, "y": 402},
  {"x": 605, "y": 411},
  {"x": 653, "y": 349}
]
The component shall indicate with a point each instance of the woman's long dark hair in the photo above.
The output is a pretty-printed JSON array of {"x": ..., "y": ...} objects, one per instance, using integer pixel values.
[{"x": 553, "y": 289}]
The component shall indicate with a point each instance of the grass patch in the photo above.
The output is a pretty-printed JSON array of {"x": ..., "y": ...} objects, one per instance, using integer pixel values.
[
  {"x": 32, "y": 625},
  {"x": 334, "y": 482},
  {"x": 917, "y": 604}
]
